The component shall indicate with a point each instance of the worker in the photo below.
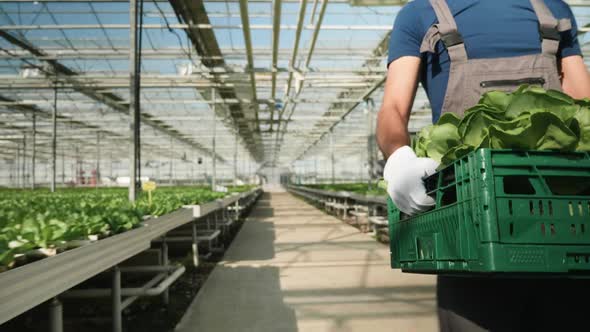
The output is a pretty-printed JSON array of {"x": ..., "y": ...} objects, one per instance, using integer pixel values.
[{"x": 457, "y": 50}]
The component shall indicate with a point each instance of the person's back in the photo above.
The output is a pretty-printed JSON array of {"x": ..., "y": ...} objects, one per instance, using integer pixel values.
[
  {"x": 490, "y": 29},
  {"x": 458, "y": 49}
]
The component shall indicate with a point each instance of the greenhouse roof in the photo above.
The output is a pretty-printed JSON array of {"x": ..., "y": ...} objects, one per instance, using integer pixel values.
[{"x": 279, "y": 75}]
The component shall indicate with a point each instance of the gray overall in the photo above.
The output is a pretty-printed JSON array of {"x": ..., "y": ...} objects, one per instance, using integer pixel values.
[
  {"x": 480, "y": 304},
  {"x": 470, "y": 78}
]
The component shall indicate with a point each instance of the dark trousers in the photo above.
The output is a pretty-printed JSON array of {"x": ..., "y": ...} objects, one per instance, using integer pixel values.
[{"x": 492, "y": 304}]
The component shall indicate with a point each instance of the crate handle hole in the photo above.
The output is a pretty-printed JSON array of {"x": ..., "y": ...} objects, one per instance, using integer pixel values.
[
  {"x": 569, "y": 185},
  {"x": 518, "y": 185}
]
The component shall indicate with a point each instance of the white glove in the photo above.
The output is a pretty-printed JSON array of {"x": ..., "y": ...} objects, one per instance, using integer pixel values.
[{"x": 403, "y": 173}]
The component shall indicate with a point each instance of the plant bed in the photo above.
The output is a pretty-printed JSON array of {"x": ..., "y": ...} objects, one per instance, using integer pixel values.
[
  {"x": 34, "y": 224},
  {"x": 146, "y": 315}
]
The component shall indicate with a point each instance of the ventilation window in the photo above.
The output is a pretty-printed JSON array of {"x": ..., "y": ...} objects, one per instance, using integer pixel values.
[
  {"x": 431, "y": 183},
  {"x": 543, "y": 229},
  {"x": 449, "y": 196},
  {"x": 569, "y": 185},
  {"x": 582, "y": 228},
  {"x": 541, "y": 207},
  {"x": 571, "y": 209},
  {"x": 580, "y": 208},
  {"x": 550, "y": 208},
  {"x": 448, "y": 176},
  {"x": 573, "y": 229},
  {"x": 518, "y": 185},
  {"x": 511, "y": 229},
  {"x": 553, "y": 232},
  {"x": 510, "y": 207},
  {"x": 531, "y": 208}
]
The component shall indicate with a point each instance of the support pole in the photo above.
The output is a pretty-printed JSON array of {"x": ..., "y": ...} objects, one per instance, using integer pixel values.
[
  {"x": 56, "y": 315},
  {"x": 236, "y": 159},
  {"x": 192, "y": 168},
  {"x": 332, "y": 156},
  {"x": 214, "y": 178},
  {"x": 77, "y": 168},
  {"x": 54, "y": 140},
  {"x": 134, "y": 87},
  {"x": 17, "y": 166},
  {"x": 111, "y": 164},
  {"x": 195, "y": 245},
  {"x": 97, "y": 159},
  {"x": 166, "y": 293},
  {"x": 116, "y": 300},
  {"x": 24, "y": 164},
  {"x": 34, "y": 151},
  {"x": 315, "y": 169},
  {"x": 170, "y": 162},
  {"x": 63, "y": 168},
  {"x": 371, "y": 147}
]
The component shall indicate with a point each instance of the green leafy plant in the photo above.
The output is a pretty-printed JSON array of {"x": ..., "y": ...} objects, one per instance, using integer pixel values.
[
  {"x": 529, "y": 118},
  {"x": 42, "y": 220}
]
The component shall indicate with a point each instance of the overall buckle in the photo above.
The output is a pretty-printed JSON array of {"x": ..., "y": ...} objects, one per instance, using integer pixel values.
[
  {"x": 550, "y": 33},
  {"x": 451, "y": 39}
]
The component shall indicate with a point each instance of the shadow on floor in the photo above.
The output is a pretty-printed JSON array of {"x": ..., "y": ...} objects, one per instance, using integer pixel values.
[
  {"x": 243, "y": 299},
  {"x": 256, "y": 238}
]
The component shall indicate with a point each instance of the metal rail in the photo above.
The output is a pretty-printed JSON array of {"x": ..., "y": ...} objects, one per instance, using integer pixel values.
[{"x": 340, "y": 194}]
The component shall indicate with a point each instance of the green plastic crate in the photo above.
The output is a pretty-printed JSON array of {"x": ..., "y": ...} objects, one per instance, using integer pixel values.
[{"x": 500, "y": 211}]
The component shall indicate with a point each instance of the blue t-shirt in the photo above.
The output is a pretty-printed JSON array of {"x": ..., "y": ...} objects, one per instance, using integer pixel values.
[{"x": 490, "y": 29}]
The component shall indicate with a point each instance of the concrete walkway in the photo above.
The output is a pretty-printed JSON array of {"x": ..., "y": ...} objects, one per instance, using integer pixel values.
[{"x": 294, "y": 268}]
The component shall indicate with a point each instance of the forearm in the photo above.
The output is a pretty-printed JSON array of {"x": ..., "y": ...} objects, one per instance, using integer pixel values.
[
  {"x": 398, "y": 98},
  {"x": 392, "y": 132},
  {"x": 575, "y": 77}
]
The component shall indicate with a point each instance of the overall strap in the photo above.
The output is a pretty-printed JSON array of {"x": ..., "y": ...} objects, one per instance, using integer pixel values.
[
  {"x": 549, "y": 27},
  {"x": 448, "y": 32}
]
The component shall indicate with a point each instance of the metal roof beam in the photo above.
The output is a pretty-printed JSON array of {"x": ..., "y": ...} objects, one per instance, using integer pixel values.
[
  {"x": 573, "y": 3},
  {"x": 249, "y": 56},
  {"x": 276, "y": 33},
  {"x": 206, "y": 46},
  {"x": 379, "y": 50},
  {"x": 67, "y": 75},
  {"x": 63, "y": 120},
  {"x": 173, "y": 53},
  {"x": 210, "y": 27}
]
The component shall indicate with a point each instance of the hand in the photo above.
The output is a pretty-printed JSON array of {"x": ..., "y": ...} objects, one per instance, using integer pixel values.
[{"x": 404, "y": 172}]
